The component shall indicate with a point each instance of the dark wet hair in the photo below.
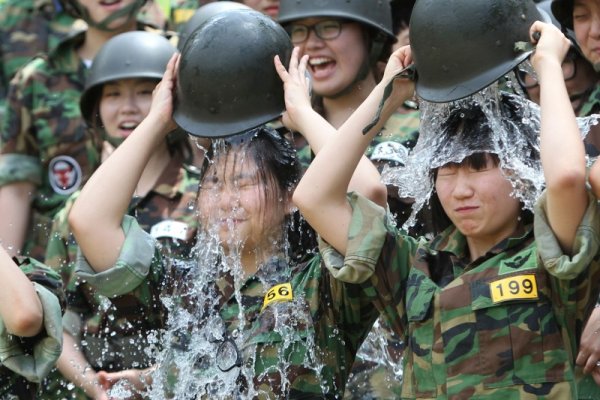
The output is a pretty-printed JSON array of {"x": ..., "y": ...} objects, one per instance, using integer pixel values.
[
  {"x": 469, "y": 124},
  {"x": 276, "y": 162}
]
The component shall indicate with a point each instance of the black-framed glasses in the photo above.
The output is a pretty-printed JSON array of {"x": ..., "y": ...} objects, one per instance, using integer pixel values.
[
  {"x": 228, "y": 355},
  {"x": 529, "y": 79},
  {"x": 325, "y": 30}
]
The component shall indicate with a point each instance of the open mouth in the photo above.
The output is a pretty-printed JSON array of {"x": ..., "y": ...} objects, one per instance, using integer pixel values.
[
  {"x": 128, "y": 126},
  {"x": 321, "y": 66},
  {"x": 110, "y": 2}
]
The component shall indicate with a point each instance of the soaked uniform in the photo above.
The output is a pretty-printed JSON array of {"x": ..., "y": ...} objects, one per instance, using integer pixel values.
[
  {"x": 503, "y": 326},
  {"x": 27, "y": 28},
  {"x": 25, "y": 361},
  {"x": 589, "y": 107},
  {"x": 297, "y": 335},
  {"x": 116, "y": 339},
  {"x": 43, "y": 137}
]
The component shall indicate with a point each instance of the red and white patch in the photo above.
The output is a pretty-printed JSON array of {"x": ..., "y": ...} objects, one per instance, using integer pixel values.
[{"x": 64, "y": 174}]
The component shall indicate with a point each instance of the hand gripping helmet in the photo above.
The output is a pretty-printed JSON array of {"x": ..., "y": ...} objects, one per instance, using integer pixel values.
[
  {"x": 226, "y": 80},
  {"x": 129, "y": 55},
  {"x": 204, "y": 13},
  {"x": 563, "y": 12},
  {"x": 461, "y": 46},
  {"x": 375, "y": 14}
]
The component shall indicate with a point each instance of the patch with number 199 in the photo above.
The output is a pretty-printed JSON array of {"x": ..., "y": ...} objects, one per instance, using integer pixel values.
[{"x": 519, "y": 287}]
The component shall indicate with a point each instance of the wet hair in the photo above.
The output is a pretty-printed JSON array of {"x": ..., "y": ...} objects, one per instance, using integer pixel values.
[
  {"x": 278, "y": 167},
  {"x": 470, "y": 125}
]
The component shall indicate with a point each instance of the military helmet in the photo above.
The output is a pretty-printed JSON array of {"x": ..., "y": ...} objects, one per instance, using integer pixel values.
[
  {"x": 129, "y": 55},
  {"x": 204, "y": 13},
  {"x": 473, "y": 44},
  {"x": 373, "y": 13},
  {"x": 226, "y": 80},
  {"x": 563, "y": 12}
]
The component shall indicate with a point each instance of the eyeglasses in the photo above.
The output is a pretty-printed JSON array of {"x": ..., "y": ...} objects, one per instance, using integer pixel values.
[
  {"x": 228, "y": 355},
  {"x": 325, "y": 30},
  {"x": 529, "y": 80}
]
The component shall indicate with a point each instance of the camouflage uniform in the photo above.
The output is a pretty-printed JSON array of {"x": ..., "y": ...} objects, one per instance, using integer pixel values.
[
  {"x": 32, "y": 358},
  {"x": 27, "y": 28},
  {"x": 324, "y": 319},
  {"x": 116, "y": 339},
  {"x": 44, "y": 140},
  {"x": 503, "y": 326}
]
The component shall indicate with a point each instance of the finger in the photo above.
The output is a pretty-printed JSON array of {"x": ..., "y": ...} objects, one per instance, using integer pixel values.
[
  {"x": 281, "y": 71},
  {"x": 303, "y": 65},
  {"x": 293, "y": 67},
  {"x": 535, "y": 32},
  {"x": 582, "y": 357},
  {"x": 590, "y": 365}
]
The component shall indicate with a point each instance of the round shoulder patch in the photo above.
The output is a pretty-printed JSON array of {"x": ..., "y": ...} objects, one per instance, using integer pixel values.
[{"x": 64, "y": 174}]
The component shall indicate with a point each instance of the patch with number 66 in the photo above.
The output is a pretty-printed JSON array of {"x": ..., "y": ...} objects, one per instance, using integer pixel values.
[
  {"x": 278, "y": 293},
  {"x": 518, "y": 287}
]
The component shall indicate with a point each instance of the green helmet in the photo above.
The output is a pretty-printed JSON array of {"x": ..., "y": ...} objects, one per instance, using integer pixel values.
[
  {"x": 374, "y": 14},
  {"x": 563, "y": 12},
  {"x": 204, "y": 13},
  {"x": 226, "y": 81},
  {"x": 472, "y": 45},
  {"x": 129, "y": 55}
]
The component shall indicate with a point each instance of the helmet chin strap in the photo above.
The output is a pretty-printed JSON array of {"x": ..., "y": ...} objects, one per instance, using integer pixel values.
[{"x": 129, "y": 11}]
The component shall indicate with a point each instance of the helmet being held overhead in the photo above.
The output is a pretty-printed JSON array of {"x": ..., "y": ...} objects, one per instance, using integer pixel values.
[
  {"x": 473, "y": 44},
  {"x": 227, "y": 82},
  {"x": 204, "y": 13},
  {"x": 129, "y": 55}
]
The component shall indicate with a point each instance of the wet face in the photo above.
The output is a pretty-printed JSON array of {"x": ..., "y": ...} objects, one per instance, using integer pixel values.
[
  {"x": 586, "y": 24},
  {"x": 99, "y": 10},
  {"x": 335, "y": 63},
  {"x": 478, "y": 201},
  {"x": 124, "y": 104},
  {"x": 268, "y": 7},
  {"x": 239, "y": 204}
]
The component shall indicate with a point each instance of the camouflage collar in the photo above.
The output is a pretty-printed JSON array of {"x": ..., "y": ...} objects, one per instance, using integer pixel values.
[
  {"x": 453, "y": 241},
  {"x": 65, "y": 56},
  {"x": 592, "y": 104},
  {"x": 171, "y": 181}
]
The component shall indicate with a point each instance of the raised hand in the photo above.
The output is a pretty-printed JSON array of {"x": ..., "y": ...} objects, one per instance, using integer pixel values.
[
  {"x": 296, "y": 84},
  {"x": 163, "y": 95}
]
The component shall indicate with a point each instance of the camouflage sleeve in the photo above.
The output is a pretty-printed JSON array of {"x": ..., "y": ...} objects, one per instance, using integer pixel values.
[
  {"x": 17, "y": 137},
  {"x": 15, "y": 354},
  {"x": 366, "y": 235},
  {"x": 585, "y": 247},
  {"x": 131, "y": 268}
]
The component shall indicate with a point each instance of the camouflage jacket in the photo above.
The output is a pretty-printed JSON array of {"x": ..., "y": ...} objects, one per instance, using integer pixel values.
[
  {"x": 402, "y": 128},
  {"x": 504, "y": 325},
  {"x": 25, "y": 361},
  {"x": 28, "y": 28},
  {"x": 296, "y": 331},
  {"x": 44, "y": 139},
  {"x": 114, "y": 337}
]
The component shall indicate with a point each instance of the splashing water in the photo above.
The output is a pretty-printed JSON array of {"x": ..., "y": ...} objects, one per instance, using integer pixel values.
[
  {"x": 511, "y": 131},
  {"x": 213, "y": 321}
]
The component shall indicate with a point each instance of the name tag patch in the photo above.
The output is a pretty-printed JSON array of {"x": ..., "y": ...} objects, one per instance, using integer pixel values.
[
  {"x": 278, "y": 293},
  {"x": 519, "y": 287},
  {"x": 170, "y": 229}
]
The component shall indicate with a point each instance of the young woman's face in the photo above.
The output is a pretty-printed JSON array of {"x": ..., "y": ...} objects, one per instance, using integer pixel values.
[
  {"x": 586, "y": 24},
  {"x": 478, "y": 202},
  {"x": 334, "y": 64},
  {"x": 99, "y": 10},
  {"x": 124, "y": 104},
  {"x": 238, "y": 204},
  {"x": 268, "y": 7}
]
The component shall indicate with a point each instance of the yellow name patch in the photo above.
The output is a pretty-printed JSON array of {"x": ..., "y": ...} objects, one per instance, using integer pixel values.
[
  {"x": 278, "y": 293},
  {"x": 514, "y": 288}
]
